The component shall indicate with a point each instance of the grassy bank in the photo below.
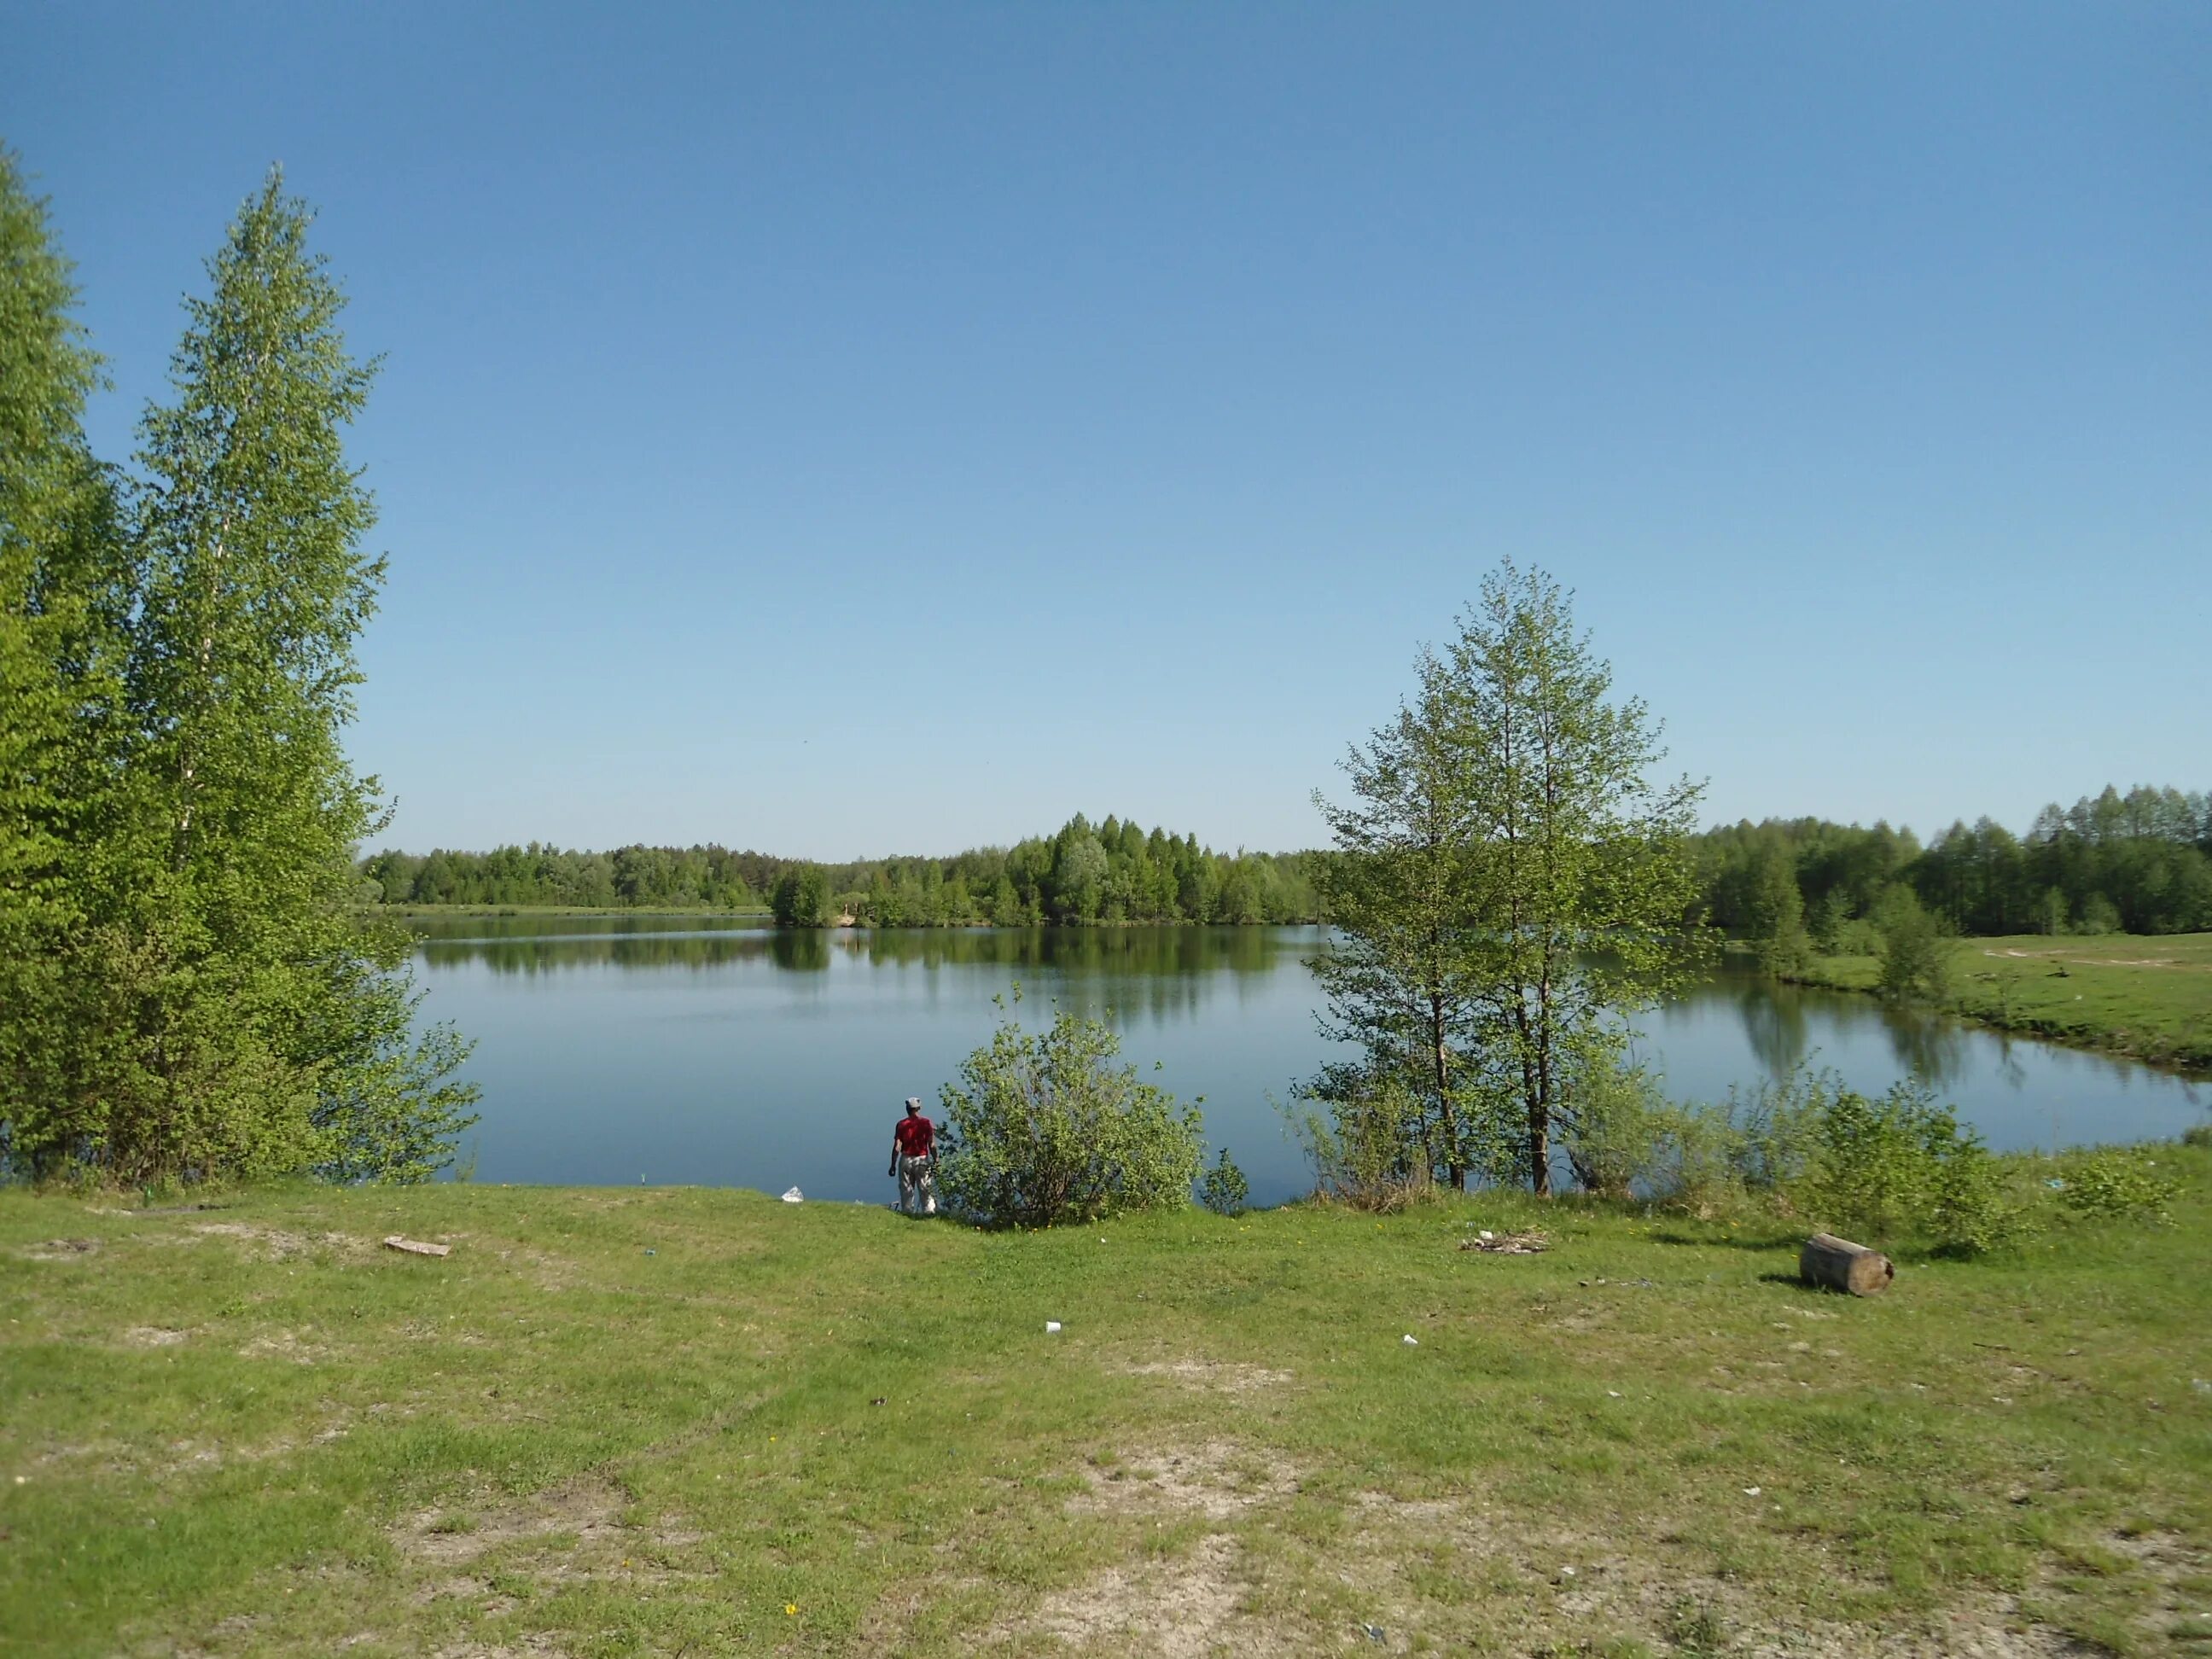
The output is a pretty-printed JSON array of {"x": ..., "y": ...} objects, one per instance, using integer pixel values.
[
  {"x": 680, "y": 1420},
  {"x": 2148, "y": 998}
]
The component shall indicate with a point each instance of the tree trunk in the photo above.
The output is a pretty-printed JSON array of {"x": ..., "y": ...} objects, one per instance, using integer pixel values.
[
  {"x": 1440, "y": 1057},
  {"x": 1840, "y": 1265}
]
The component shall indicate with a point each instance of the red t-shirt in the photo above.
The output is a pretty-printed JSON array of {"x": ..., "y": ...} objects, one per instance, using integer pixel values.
[{"x": 915, "y": 1136}]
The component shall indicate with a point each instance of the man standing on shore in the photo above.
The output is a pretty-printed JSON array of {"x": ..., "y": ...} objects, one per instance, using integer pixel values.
[{"x": 913, "y": 1159}]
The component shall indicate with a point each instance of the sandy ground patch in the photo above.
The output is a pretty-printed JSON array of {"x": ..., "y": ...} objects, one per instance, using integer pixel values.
[
  {"x": 284, "y": 1345},
  {"x": 154, "y": 1336},
  {"x": 1552, "y": 1584},
  {"x": 276, "y": 1244},
  {"x": 1211, "y": 1376},
  {"x": 62, "y": 1250},
  {"x": 1180, "y": 1609},
  {"x": 1217, "y": 1479},
  {"x": 448, "y": 1537}
]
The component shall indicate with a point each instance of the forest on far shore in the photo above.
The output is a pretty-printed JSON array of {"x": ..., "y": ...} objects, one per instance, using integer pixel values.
[
  {"x": 2134, "y": 863},
  {"x": 2139, "y": 862},
  {"x": 1111, "y": 871}
]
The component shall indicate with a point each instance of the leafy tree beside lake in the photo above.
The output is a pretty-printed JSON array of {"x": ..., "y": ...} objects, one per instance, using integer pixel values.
[
  {"x": 207, "y": 1001},
  {"x": 64, "y": 592},
  {"x": 1509, "y": 883}
]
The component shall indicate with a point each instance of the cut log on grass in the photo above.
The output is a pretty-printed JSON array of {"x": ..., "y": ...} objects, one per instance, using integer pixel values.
[
  {"x": 1843, "y": 1266},
  {"x": 415, "y": 1247}
]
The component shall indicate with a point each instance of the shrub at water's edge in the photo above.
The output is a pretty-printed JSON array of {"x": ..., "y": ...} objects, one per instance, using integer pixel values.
[
  {"x": 1046, "y": 1130},
  {"x": 1897, "y": 1170}
]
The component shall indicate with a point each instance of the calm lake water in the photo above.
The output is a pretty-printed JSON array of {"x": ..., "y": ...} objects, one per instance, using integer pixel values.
[{"x": 680, "y": 1049}]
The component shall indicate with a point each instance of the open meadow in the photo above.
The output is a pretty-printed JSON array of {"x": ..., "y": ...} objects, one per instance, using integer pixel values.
[
  {"x": 686, "y": 1421},
  {"x": 2149, "y": 997}
]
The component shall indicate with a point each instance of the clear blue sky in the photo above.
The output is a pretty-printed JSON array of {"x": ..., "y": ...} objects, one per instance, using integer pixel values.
[{"x": 840, "y": 429}]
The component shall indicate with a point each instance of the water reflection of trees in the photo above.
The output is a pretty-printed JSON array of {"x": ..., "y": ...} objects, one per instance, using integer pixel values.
[
  {"x": 545, "y": 956},
  {"x": 1774, "y": 1025},
  {"x": 1087, "y": 951},
  {"x": 1930, "y": 1047},
  {"x": 1147, "y": 966}
]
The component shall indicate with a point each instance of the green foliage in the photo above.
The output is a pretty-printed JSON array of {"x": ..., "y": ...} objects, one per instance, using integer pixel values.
[
  {"x": 2115, "y": 1184},
  {"x": 1915, "y": 948},
  {"x": 801, "y": 897},
  {"x": 1615, "y": 1123},
  {"x": 1370, "y": 1140},
  {"x": 2099, "y": 916},
  {"x": 391, "y": 1112},
  {"x": 1896, "y": 1167},
  {"x": 1901, "y": 1165},
  {"x": 64, "y": 591},
  {"x": 1502, "y": 821},
  {"x": 1223, "y": 1189},
  {"x": 1777, "y": 913},
  {"x": 202, "y": 1003},
  {"x": 1045, "y": 1130},
  {"x": 2139, "y": 863}
]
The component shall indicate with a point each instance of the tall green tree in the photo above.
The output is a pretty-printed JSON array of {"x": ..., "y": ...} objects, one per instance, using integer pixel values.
[
  {"x": 264, "y": 1027},
  {"x": 1510, "y": 881},
  {"x": 1403, "y": 982},
  {"x": 64, "y": 594},
  {"x": 1915, "y": 951},
  {"x": 1777, "y": 910}
]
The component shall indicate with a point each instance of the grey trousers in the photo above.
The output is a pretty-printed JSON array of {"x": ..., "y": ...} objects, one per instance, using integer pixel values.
[{"x": 917, "y": 1180}]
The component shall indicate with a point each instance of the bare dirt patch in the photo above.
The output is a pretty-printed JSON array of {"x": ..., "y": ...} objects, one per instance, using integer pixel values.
[
  {"x": 276, "y": 1244},
  {"x": 1218, "y": 1480},
  {"x": 450, "y": 1538},
  {"x": 62, "y": 1250},
  {"x": 1183, "y": 1609},
  {"x": 154, "y": 1336},
  {"x": 1213, "y": 1376},
  {"x": 284, "y": 1345},
  {"x": 1553, "y": 1583}
]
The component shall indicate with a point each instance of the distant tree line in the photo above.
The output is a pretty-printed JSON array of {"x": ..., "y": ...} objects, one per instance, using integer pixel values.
[
  {"x": 2138, "y": 863},
  {"x": 1082, "y": 873}
]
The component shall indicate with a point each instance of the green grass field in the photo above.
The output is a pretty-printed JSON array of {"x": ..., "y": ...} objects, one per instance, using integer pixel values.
[
  {"x": 683, "y": 1421},
  {"x": 2148, "y": 997}
]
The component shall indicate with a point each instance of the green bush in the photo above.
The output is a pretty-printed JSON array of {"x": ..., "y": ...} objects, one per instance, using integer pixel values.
[
  {"x": 1709, "y": 1158},
  {"x": 1901, "y": 1166},
  {"x": 2099, "y": 916},
  {"x": 1224, "y": 1190},
  {"x": 2116, "y": 1185},
  {"x": 1044, "y": 1130},
  {"x": 1366, "y": 1137},
  {"x": 1614, "y": 1125},
  {"x": 1915, "y": 948},
  {"x": 1886, "y": 1170}
]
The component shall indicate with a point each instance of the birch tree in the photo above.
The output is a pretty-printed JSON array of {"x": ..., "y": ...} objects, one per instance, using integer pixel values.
[
  {"x": 269, "y": 1022},
  {"x": 1511, "y": 886},
  {"x": 64, "y": 592}
]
